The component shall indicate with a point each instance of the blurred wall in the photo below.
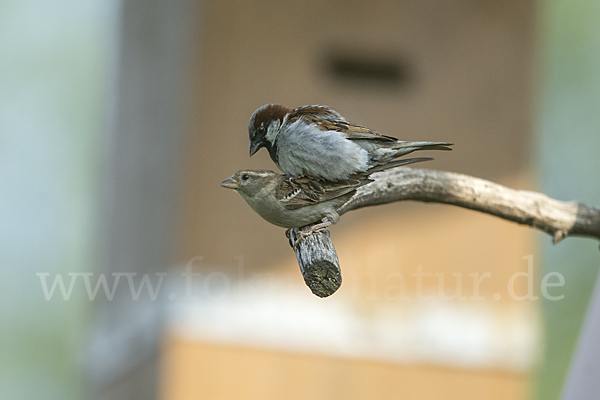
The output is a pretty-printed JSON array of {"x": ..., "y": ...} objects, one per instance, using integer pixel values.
[
  {"x": 463, "y": 73},
  {"x": 140, "y": 192}
]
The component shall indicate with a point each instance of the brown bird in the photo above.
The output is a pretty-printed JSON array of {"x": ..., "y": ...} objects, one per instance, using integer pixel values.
[
  {"x": 317, "y": 141},
  {"x": 293, "y": 203}
]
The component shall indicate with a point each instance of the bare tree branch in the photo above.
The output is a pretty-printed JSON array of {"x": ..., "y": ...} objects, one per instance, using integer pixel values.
[{"x": 559, "y": 219}]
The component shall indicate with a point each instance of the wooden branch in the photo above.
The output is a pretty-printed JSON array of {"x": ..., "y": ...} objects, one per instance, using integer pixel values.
[
  {"x": 557, "y": 218},
  {"x": 318, "y": 262}
]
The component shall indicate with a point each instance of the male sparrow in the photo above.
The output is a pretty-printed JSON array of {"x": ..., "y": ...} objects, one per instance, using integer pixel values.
[
  {"x": 293, "y": 203},
  {"x": 317, "y": 141}
]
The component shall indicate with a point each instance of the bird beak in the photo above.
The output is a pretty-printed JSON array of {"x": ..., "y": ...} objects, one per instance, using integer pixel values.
[
  {"x": 255, "y": 146},
  {"x": 230, "y": 183}
]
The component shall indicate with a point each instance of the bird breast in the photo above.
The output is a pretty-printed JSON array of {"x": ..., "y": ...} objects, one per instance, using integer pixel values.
[
  {"x": 303, "y": 149},
  {"x": 273, "y": 211}
]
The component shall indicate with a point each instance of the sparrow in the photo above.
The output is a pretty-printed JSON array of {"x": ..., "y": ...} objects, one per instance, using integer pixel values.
[
  {"x": 294, "y": 203},
  {"x": 317, "y": 141}
]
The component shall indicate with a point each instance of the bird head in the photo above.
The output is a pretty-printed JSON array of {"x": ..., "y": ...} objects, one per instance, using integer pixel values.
[
  {"x": 248, "y": 183},
  {"x": 264, "y": 126}
]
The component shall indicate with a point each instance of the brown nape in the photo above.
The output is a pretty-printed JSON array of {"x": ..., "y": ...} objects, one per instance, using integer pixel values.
[{"x": 268, "y": 113}]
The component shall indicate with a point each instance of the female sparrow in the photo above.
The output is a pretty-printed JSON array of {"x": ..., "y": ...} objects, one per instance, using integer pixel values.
[
  {"x": 293, "y": 203},
  {"x": 317, "y": 141}
]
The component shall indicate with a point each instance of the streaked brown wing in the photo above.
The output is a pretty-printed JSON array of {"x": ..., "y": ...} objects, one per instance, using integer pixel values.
[
  {"x": 304, "y": 191},
  {"x": 355, "y": 132},
  {"x": 327, "y": 119},
  {"x": 323, "y": 112}
]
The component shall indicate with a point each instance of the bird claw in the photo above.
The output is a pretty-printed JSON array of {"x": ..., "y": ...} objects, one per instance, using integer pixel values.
[{"x": 317, "y": 228}]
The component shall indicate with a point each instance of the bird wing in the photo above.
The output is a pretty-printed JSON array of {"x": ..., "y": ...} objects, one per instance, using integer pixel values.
[
  {"x": 326, "y": 119},
  {"x": 322, "y": 112},
  {"x": 299, "y": 192}
]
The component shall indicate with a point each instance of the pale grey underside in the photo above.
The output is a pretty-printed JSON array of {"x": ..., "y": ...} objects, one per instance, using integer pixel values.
[
  {"x": 305, "y": 150},
  {"x": 274, "y": 212}
]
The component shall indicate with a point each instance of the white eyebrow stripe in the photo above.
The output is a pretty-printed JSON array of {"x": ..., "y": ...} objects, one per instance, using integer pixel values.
[
  {"x": 259, "y": 174},
  {"x": 291, "y": 195}
]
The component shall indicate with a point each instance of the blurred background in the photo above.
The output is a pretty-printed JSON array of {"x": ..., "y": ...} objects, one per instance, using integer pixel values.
[{"x": 130, "y": 274}]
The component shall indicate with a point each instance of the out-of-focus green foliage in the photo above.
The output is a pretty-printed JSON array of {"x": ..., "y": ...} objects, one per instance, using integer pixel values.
[
  {"x": 53, "y": 79},
  {"x": 569, "y": 142}
]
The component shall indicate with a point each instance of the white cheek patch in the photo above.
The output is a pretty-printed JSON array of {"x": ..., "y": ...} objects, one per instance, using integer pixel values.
[{"x": 273, "y": 130}]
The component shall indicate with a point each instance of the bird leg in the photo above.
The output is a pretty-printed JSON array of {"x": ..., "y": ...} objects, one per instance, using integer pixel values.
[{"x": 321, "y": 227}]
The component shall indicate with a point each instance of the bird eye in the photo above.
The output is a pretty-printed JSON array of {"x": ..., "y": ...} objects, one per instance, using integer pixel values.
[{"x": 245, "y": 177}]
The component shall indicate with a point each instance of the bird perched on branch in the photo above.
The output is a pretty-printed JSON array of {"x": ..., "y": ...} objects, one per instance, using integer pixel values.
[
  {"x": 293, "y": 203},
  {"x": 317, "y": 141}
]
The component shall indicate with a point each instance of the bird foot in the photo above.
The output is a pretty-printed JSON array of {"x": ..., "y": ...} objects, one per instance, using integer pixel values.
[{"x": 322, "y": 227}]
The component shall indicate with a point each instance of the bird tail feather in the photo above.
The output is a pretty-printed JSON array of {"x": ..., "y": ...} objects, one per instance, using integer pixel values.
[{"x": 422, "y": 145}]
